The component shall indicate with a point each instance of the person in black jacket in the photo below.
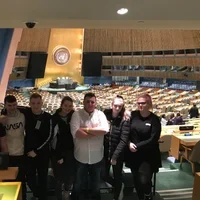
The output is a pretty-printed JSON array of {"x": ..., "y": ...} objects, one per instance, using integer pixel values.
[
  {"x": 63, "y": 148},
  {"x": 144, "y": 155},
  {"x": 38, "y": 132},
  {"x": 194, "y": 112},
  {"x": 3, "y": 144},
  {"x": 114, "y": 143}
]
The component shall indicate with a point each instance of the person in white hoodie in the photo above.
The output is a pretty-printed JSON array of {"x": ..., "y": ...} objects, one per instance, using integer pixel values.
[{"x": 15, "y": 138}]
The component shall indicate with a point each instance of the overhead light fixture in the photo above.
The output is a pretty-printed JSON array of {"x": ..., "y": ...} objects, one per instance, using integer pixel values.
[{"x": 122, "y": 11}]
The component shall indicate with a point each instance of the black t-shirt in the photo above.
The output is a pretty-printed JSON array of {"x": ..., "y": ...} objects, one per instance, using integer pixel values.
[{"x": 2, "y": 131}]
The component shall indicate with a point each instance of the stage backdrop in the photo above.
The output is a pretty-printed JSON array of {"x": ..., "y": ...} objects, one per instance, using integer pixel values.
[{"x": 64, "y": 55}]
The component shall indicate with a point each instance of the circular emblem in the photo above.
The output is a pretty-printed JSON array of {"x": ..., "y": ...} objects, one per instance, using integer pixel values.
[{"x": 61, "y": 55}]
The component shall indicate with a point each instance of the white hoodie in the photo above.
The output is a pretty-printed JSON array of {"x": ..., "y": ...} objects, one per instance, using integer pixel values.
[{"x": 15, "y": 134}]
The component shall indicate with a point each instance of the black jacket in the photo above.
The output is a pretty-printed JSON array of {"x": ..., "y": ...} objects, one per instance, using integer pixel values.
[
  {"x": 38, "y": 130},
  {"x": 144, "y": 133},
  {"x": 62, "y": 138},
  {"x": 116, "y": 139},
  {"x": 194, "y": 112}
]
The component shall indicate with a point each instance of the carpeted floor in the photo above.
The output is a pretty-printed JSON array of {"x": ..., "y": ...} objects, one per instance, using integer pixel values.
[{"x": 172, "y": 183}]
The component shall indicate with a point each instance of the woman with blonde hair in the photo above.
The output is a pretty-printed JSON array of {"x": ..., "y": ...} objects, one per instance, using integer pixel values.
[
  {"x": 144, "y": 155},
  {"x": 115, "y": 142}
]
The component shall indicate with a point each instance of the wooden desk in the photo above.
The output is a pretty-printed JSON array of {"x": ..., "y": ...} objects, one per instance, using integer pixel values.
[
  {"x": 11, "y": 190},
  {"x": 177, "y": 140},
  {"x": 196, "y": 131},
  {"x": 9, "y": 174},
  {"x": 196, "y": 191},
  {"x": 188, "y": 140}
]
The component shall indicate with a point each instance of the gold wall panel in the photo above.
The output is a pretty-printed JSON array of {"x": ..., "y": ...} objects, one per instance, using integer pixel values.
[
  {"x": 36, "y": 39},
  {"x": 21, "y": 62},
  {"x": 153, "y": 74},
  {"x": 73, "y": 40},
  {"x": 128, "y": 40},
  {"x": 163, "y": 61}
]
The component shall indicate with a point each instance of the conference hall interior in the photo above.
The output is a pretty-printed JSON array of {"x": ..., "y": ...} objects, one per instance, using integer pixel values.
[{"x": 110, "y": 48}]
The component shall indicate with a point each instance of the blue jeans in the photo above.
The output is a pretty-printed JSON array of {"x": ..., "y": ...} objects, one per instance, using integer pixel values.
[{"x": 83, "y": 172}]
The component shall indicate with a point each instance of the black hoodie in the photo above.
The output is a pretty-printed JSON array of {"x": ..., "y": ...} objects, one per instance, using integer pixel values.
[{"x": 62, "y": 141}]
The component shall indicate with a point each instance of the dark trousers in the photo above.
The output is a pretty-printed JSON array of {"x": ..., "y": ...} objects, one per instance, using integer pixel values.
[
  {"x": 63, "y": 173},
  {"x": 142, "y": 177},
  {"x": 116, "y": 180},
  {"x": 37, "y": 172},
  {"x": 84, "y": 171},
  {"x": 19, "y": 161}
]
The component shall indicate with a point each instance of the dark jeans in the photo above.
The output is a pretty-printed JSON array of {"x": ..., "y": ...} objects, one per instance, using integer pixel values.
[
  {"x": 37, "y": 172},
  {"x": 19, "y": 161},
  {"x": 63, "y": 173},
  {"x": 142, "y": 176},
  {"x": 116, "y": 180},
  {"x": 92, "y": 171}
]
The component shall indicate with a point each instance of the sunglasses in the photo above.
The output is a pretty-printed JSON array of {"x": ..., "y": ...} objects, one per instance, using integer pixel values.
[{"x": 141, "y": 103}]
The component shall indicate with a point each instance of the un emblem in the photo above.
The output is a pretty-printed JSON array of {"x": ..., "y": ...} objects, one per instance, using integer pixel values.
[{"x": 61, "y": 55}]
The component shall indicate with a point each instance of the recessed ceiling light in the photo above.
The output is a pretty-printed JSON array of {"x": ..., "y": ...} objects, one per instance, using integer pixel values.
[{"x": 122, "y": 11}]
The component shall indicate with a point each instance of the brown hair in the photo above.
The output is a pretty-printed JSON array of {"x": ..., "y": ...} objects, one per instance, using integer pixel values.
[
  {"x": 35, "y": 96},
  {"x": 90, "y": 95},
  {"x": 66, "y": 98}
]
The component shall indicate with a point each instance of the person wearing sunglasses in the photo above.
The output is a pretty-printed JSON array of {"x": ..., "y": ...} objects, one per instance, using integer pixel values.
[{"x": 144, "y": 155}]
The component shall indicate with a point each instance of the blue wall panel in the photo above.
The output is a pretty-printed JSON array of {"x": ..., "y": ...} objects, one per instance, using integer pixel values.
[
  {"x": 97, "y": 80},
  {"x": 5, "y": 39},
  {"x": 21, "y": 83}
]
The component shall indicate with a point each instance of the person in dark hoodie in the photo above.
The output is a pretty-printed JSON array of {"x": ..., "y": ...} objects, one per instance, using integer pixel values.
[
  {"x": 63, "y": 148},
  {"x": 115, "y": 142},
  {"x": 38, "y": 133}
]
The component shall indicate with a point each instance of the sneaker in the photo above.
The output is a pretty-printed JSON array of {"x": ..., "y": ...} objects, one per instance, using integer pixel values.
[{"x": 121, "y": 194}]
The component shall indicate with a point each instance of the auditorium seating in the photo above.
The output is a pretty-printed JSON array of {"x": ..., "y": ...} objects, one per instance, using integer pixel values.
[{"x": 165, "y": 101}]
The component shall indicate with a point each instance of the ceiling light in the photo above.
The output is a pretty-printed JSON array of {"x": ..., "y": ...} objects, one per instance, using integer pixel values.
[{"x": 122, "y": 11}]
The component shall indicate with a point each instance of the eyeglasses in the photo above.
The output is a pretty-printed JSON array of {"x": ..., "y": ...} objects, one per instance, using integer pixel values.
[{"x": 142, "y": 103}]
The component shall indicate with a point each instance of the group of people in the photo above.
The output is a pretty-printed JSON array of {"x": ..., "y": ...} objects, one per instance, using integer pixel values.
[
  {"x": 173, "y": 120},
  {"x": 178, "y": 120},
  {"x": 82, "y": 145}
]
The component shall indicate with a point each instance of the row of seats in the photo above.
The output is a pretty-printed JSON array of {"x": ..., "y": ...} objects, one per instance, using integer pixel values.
[{"x": 165, "y": 101}]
